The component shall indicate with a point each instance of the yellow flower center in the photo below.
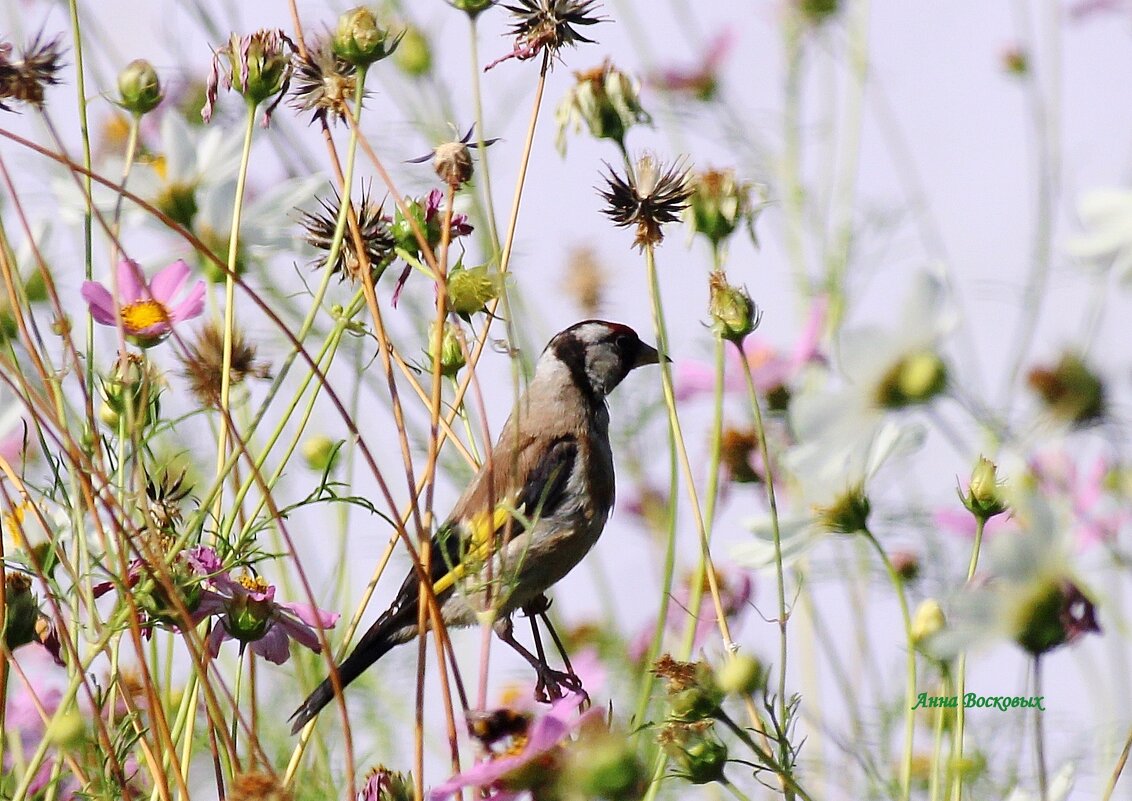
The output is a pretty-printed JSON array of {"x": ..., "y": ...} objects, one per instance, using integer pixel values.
[
  {"x": 160, "y": 166},
  {"x": 253, "y": 583},
  {"x": 140, "y": 315}
]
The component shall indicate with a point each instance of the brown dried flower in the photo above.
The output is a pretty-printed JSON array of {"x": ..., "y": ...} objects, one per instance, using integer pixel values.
[
  {"x": 204, "y": 364},
  {"x": 651, "y": 196}
]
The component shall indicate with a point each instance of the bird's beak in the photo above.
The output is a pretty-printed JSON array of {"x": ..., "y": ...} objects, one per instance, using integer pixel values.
[{"x": 648, "y": 355}]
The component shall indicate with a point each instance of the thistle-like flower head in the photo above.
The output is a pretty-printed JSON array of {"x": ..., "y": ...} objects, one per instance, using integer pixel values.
[
  {"x": 204, "y": 364},
  {"x": 548, "y": 26},
  {"x": 373, "y": 227},
  {"x": 324, "y": 83},
  {"x": 24, "y": 79},
  {"x": 651, "y": 196}
]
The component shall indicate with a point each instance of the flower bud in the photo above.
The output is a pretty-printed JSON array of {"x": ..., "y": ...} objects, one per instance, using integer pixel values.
[
  {"x": 606, "y": 100},
  {"x": 132, "y": 392},
  {"x": 473, "y": 8},
  {"x": 927, "y": 622},
  {"x": 35, "y": 287},
  {"x": 320, "y": 453},
  {"x": 718, "y": 205},
  {"x": 907, "y": 565},
  {"x": 451, "y": 353},
  {"x": 414, "y": 56},
  {"x": 984, "y": 496},
  {"x": 733, "y": 314},
  {"x": 1070, "y": 390},
  {"x": 66, "y": 730},
  {"x": 139, "y": 88},
  {"x": 695, "y": 750},
  {"x": 469, "y": 290},
  {"x": 21, "y": 610},
  {"x": 916, "y": 378},
  {"x": 604, "y": 765},
  {"x": 692, "y": 691},
  {"x": 741, "y": 675},
  {"x": 359, "y": 39}
]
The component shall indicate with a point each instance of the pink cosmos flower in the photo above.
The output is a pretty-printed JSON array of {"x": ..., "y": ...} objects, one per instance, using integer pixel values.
[
  {"x": 770, "y": 368},
  {"x": 534, "y": 746},
  {"x": 1098, "y": 516},
  {"x": 249, "y": 613},
  {"x": 147, "y": 311},
  {"x": 700, "y": 80}
]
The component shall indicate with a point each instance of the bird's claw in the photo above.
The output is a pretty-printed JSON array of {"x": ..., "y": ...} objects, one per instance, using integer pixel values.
[
  {"x": 553, "y": 685},
  {"x": 536, "y": 606}
]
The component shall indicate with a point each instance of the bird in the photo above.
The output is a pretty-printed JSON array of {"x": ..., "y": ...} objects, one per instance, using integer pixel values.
[{"x": 529, "y": 515}]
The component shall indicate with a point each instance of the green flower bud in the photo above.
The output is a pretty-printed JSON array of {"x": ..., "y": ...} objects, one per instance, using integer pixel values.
[
  {"x": 733, "y": 313},
  {"x": 35, "y": 287},
  {"x": 139, "y": 88},
  {"x": 741, "y": 675},
  {"x": 719, "y": 205},
  {"x": 927, "y": 622},
  {"x": 606, "y": 100},
  {"x": 473, "y": 8},
  {"x": 848, "y": 514},
  {"x": 21, "y": 610},
  {"x": 66, "y": 730},
  {"x": 1053, "y": 613},
  {"x": 451, "y": 354},
  {"x": 469, "y": 290},
  {"x": 692, "y": 691},
  {"x": 1070, "y": 390},
  {"x": 604, "y": 765},
  {"x": 359, "y": 40},
  {"x": 414, "y": 56},
  {"x": 984, "y": 496},
  {"x": 132, "y": 391},
  {"x": 320, "y": 453},
  {"x": 695, "y": 750},
  {"x": 916, "y": 378}
]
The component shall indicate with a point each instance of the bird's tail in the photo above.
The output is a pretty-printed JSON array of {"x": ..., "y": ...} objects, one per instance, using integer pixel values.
[{"x": 386, "y": 632}]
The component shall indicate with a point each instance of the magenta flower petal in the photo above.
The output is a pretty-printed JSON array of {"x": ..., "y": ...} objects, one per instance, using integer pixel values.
[
  {"x": 300, "y": 632},
  {"x": 215, "y": 637},
  {"x": 273, "y": 646},
  {"x": 192, "y": 306},
  {"x": 169, "y": 281},
  {"x": 313, "y": 617},
  {"x": 131, "y": 282},
  {"x": 101, "y": 305}
]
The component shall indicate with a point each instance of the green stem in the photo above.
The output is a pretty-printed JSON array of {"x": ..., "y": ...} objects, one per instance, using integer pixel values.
[
  {"x": 481, "y": 146},
  {"x": 230, "y": 301},
  {"x": 961, "y": 678},
  {"x": 1039, "y": 734},
  {"x": 910, "y": 675}
]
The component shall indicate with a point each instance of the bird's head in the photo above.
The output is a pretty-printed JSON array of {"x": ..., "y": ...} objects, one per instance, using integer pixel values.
[{"x": 598, "y": 355}]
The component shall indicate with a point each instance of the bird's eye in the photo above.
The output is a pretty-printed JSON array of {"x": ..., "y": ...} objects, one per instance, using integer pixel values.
[{"x": 623, "y": 342}]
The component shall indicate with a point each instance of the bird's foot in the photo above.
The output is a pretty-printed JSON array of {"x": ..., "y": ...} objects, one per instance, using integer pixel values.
[{"x": 553, "y": 685}]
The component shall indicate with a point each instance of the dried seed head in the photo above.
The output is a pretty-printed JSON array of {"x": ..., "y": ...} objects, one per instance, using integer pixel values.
[
  {"x": 258, "y": 786},
  {"x": 258, "y": 66},
  {"x": 548, "y": 25},
  {"x": 607, "y": 100},
  {"x": 204, "y": 364},
  {"x": 323, "y": 83},
  {"x": 652, "y": 196},
  {"x": 24, "y": 80},
  {"x": 376, "y": 237},
  {"x": 165, "y": 497}
]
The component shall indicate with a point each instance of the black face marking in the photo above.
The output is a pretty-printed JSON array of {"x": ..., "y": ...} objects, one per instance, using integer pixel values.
[{"x": 571, "y": 351}]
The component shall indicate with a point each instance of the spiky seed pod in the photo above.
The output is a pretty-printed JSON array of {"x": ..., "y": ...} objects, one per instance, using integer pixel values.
[
  {"x": 652, "y": 196},
  {"x": 549, "y": 25},
  {"x": 204, "y": 364},
  {"x": 376, "y": 237},
  {"x": 323, "y": 83},
  {"x": 38, "y": 67}
]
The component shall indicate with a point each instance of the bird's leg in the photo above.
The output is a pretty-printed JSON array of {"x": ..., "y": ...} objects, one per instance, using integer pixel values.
[
  {"x": 574, "y": 677},
  {"x": 548, "y": 688},
  {"x": 537, "y": 608}
]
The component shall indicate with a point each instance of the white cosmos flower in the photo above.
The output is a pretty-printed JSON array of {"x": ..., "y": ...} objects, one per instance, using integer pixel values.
[
  {"x": 805, "y": 526},
  {"x": 1106, "y": 242},
  {"x": 1058, "y": 790}
]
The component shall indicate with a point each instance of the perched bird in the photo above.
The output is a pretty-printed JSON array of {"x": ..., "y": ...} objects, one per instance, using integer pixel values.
[{"x": 533, "y": 510}]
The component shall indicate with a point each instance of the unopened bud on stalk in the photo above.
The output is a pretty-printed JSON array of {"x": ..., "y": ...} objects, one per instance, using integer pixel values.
[
  {"x": 139, "y": 88},
  {"x": 741, "y": 675},
  {"x": 927, "y": 622},
  {"x": 984, "y": 496},
  {"x": 733, "y": 314},
  {"x": 414, "y": 56},
  {"x": 695, "y": 750},
  {"x": 451, "y": 354},
  {"x": 360, "y": 40},
  {"x": 607, "y": 100},
  {"x": 320, "y": 453}
]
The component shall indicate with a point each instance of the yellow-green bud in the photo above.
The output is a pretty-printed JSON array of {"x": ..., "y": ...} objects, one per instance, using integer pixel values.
[
  {"x": 451, "y": 353},
  {"x": 414, "y": 56},
  {"x": 927, "y": 622},
  {"x": 132, "y": 391},
  {"x": 263, "y": 61},
  {"x": 35, "y": 287},
  {"x": 695, "y": 750},
  {"x": 469, "y": 290},
  {"x": 719, "y": 205},
  {"x": 733, "y": 313},
  {"x": 984, "y": 496},
  {"x": 741, "y": 675},
  {"x": 604, "y": 765},
  {"x": 139, "y": 89},
  {"x": 360, "y": 40},
  {"x": 818, "y": 11},
  {"x": 67, "y": 729},
  {"x": 320, "y": 452}
]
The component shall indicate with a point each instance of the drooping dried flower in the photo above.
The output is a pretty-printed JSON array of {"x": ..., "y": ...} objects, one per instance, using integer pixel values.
[
  {"x": 651, "y": 196},
  {"x": 548, "y": 26},
  {"x": 258, "y": 66},
  {"x": 324, "y": 83},
  {"x": 38, "y": 67},
  {"x": 607, "y": 100},
  {"x": 373, "y": 228},
  {"x": 204, "y": 364}
]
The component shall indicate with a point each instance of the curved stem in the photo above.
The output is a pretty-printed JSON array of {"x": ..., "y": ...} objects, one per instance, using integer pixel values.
[{"x": 961, "y": 675}]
